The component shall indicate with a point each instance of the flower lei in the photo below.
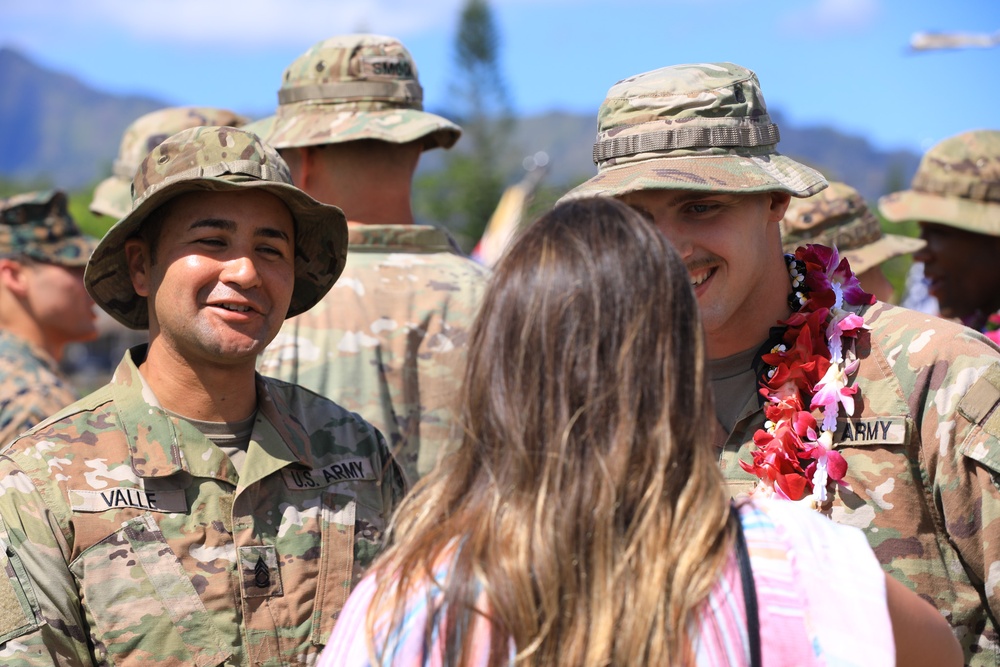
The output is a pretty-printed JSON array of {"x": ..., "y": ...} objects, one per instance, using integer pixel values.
[
  {"x": 793, "y": 455},
  {"x": 992, "y": 328}
]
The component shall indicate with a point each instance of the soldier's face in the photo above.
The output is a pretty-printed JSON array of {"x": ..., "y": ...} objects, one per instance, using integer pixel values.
[
  {"x": 223, "y": 275},
  {"x": 59, "y": 303},
  {"x": 730, "y": 245},
  {"x": 962, "y": 268}
]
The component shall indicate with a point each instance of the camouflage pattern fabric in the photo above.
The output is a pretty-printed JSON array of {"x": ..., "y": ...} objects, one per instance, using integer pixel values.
[
  {"x": 839, "y": 217},
  {"x": 956, "y": 184},
  {"x": 31, "y": 386},
  {"x": 221, "y": 159},
  {"x": 389, "y": 339},
  {"x": 38, "y": 225},
  {"x": 701, "y": 127},
  {"x": 923, "y": 454},
  {"x": 130, "y": 540},
  {"x": 352, "y": 87},
  {"x": 113, "y": 195}
]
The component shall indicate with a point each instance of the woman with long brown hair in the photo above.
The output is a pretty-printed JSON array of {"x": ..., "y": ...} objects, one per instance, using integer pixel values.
[{"x": 583, "y": 519}]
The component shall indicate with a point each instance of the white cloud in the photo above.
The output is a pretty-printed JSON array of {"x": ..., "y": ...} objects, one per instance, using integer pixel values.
[
  {"x": 832, "y": 16},
  {"x": 232, "y": 23}
]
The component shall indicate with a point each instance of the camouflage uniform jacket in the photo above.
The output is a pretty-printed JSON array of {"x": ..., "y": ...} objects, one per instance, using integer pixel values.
[
  {"x": 388, "y": 341},
  {"x": 31, "y": 386},
  {"x": 923, "y": 454},
  {"x": 129, "y": 538}
]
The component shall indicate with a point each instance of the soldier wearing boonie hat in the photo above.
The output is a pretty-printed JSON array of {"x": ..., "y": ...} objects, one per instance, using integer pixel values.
[
  {"x": 43, "y": 306},
  {"x": 693, "y": 148},
  {"x": 839, "y": 217},
  {"x": 112, "y": 196},
  {"x": 192, "y": 511},
  {"x": 955, "y": 196},
  {"x": 387, "y": 342}
]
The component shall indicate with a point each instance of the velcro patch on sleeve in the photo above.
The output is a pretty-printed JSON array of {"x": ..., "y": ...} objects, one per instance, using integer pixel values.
[
  {"x": 345, "y": 470},
  {"x": 17, "y": 599},
  {"x": 982, "y": 397}
]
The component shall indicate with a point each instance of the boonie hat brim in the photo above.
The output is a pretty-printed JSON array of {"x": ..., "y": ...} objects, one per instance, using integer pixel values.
[
  {"x": 317, "y": 124},
  {"x": 877, "y": 252},
  {"x": 980, "y": 217},
  {"x": 320, "y": 247},
  {"x": 112, "y": 197},
  {"x": 710, "y": 173}
]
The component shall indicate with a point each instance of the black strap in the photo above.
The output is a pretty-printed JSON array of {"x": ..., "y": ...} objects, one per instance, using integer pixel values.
[{"x": 749, "y": 592}]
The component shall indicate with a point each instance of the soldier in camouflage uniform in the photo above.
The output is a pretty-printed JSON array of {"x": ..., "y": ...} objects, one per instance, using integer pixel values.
[
  {"x": 112, "y": 196},
  {"x": 839, "y": 217},
  {"x": 955, "y": 196},
  {"x": 388, "y": 341},
  {"x": 43, "y": 306},
  {"x": 192, "y": 512},
  {"x": 693, "y": 147}
]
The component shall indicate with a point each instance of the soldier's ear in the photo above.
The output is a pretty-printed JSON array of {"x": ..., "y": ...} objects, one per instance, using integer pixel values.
[
  {"x": 779, "y": 204},
  {"x": 13, "y": 277},
  {"x": 138, "y": 261}
]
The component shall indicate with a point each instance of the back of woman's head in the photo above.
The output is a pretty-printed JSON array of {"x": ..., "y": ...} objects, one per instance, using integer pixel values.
[
  {"x": 585, "y": 493},
  {"x": 587, "y": 341}
]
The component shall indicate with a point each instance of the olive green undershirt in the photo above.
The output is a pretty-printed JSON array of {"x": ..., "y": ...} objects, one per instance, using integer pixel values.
[
  {"x": 733, "y": 382},
  {"x": 233, "y": 438}
]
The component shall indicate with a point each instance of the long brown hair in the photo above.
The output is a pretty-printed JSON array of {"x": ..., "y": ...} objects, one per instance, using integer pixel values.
[{"x": 584, "y": 503}]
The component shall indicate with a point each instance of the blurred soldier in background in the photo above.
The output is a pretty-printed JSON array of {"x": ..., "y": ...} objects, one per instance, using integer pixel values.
[
  {"x": 388, "y": 341},
  {"x": 838, "y": 217},
  {"x": 191, "y": 511},
  {"x": 112, "y": 197},
  {"x": 955, "y": 196},
  {"x": 43, "y": 306}
]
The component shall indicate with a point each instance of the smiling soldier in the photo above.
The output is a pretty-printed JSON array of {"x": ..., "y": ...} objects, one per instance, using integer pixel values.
[
  {"x": 814, "y": 380},
  {"x": 192, "y": 512}
]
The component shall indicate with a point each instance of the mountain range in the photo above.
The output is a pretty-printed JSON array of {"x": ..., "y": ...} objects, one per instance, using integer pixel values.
[{"x": 55, "y": 129}]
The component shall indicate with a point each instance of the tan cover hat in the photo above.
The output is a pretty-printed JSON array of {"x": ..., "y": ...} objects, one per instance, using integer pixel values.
[
  {"x": 113, "y": 196},
  {"x": 838, "y": 217},
  {"x": 218, "y": 159},
  {"x": 354, "y": 87},
  {"x": 957, "y": 184},
  {"x": 692, "y": 127}
]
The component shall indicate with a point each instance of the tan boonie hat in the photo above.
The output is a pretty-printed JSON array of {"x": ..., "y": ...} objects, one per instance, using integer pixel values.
[
  {"x": 218, "y": 159},
  {"x": 838, "y": 217},
  {"x": 38, "y": 225},
  {"x": 957, "y": 184},
  {"x": 354, "y": 87},
  {"x": 113, "y": 196},
  {"x": 701, "y": 127}
]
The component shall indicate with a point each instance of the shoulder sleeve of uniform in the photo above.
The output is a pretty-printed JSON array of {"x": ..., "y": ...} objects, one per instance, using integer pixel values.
[
  {"x": 19, "y": 612},
  {"x": 40, "y": 609}
]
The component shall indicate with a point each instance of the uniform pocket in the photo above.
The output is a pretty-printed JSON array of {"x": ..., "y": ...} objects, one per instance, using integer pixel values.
[
  {"x": 142, "y": 604},
  {"x": 19, "y": 611},
  {"x": 336, "y": 570}
]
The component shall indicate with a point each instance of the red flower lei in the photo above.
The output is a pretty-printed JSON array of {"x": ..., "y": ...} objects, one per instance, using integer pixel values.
[{"x": 793, "y": 454}]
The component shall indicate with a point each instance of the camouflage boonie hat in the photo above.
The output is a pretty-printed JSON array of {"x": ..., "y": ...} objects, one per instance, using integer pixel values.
[
  {"x": 218, "y": 159},
  {"x": 113, "y": 196},
  {"x": 354, "y": 87},
  {"x": 838, "y": 217},
  {"x": 957, "y": 184},
  {"x": 701, "y": 127},
  {"x": 38, "y": 225}
]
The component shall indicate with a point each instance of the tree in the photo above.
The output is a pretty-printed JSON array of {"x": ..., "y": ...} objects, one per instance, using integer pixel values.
[{"x": 463, "y": 194}]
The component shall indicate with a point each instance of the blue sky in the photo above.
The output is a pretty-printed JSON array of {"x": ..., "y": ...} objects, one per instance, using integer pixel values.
[{"x": 844, "y": 63}]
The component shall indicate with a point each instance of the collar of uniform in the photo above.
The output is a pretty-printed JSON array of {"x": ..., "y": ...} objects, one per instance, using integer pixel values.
[
  {"x": 161, "y": 444},
  {"x": 398, "y": 238},
  {"x": 20, "y": 347}
]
